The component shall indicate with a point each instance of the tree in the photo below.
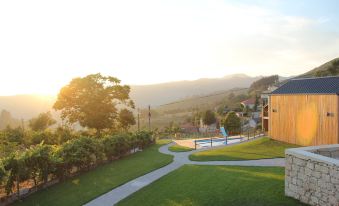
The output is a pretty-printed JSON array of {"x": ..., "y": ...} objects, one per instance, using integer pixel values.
[
  {"x": 42, "y": 122},
  {"x": 126, "y": 119},
  {"x": 92, "y": 101},
  {"x": 256, "y": 104},
  {"x": 6, "y": 119},
  {"x": 232, "y": 123},
  {"x": 209, "y": 117}
]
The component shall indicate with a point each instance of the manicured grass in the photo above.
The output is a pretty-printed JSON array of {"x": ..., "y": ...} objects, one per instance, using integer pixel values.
[
  {"x": 179, "y": 148},
  {"x": 215, "y": 185},
  {"x": 92, "y": 184},
  {"x": 262, "y": 148}
]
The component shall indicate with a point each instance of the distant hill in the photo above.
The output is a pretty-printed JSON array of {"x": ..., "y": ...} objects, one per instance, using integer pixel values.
[
  {"x": 158, "y": 94},
  {"x": 203, "y": 102}
]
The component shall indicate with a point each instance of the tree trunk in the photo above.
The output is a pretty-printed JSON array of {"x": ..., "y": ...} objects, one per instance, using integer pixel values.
[{"x": 18, "y": 187}]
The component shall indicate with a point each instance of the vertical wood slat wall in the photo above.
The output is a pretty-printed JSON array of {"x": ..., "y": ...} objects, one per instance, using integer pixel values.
[{"x": 304, "y": 119}]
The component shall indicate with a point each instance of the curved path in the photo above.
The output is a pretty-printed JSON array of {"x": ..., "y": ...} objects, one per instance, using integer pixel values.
[{"x": 180, "y": 159}]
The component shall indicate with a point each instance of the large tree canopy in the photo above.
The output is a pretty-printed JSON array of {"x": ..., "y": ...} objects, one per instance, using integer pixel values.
[{"x": 93, "y": 101}]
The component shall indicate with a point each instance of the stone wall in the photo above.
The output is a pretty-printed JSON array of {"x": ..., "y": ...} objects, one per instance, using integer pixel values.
[{"x": 313, "y": 178}]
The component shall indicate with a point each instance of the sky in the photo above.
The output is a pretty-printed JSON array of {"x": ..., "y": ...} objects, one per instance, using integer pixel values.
[{"x": 44, "y": 44}]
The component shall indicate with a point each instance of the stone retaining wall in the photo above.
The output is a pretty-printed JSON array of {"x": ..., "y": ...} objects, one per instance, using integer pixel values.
[{"x": 312, "y": 177}]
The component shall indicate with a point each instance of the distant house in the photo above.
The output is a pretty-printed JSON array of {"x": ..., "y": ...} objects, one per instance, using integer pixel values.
[
  {"x": 250, "y": 103},
  {"x": 304, "y": 111}
]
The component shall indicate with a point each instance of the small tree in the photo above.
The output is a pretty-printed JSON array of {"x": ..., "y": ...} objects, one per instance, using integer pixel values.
[
  {"x": 232, "y": 123},
  {"x": 126, "y": 119},
  {"x": 256, "y": 104},
  {"x": 209, "y": 117},
  {"x": 42, "y": 122}
]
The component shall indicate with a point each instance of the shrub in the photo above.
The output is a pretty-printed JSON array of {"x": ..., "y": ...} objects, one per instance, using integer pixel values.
[{"x": 143, "y": 139}]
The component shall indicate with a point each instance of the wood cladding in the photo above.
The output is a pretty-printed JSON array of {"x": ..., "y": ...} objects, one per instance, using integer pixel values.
[{"x": 304, "y": 119}]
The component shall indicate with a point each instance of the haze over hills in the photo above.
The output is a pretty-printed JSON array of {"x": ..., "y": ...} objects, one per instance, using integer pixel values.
[
  {"x": 158, "y": 94},
  {"x": 26, "y": 106}
]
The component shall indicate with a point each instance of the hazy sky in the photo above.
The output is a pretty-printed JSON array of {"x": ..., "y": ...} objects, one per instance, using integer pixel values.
[{"x": 44, "y": 44}]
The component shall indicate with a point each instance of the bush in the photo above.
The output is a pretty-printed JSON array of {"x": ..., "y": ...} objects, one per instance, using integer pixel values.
[
  {"x": 143, "y": 139},
  {"x": 40, "y": 161},
  {"x": 79, "y": 153},
  {"x": 46, "y": 136}
]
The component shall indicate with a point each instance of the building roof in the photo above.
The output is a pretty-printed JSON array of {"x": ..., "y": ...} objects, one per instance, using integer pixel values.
[
  {"x": 248, "y": 101},
  {"x": 320, "y": 85}
]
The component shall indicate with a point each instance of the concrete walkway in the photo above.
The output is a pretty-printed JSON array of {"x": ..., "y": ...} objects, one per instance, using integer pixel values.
[{"x": 180, "y": 159}]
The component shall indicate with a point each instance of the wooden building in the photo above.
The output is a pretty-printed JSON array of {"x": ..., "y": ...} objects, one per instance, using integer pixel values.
[{"x": 305, "y": 111}]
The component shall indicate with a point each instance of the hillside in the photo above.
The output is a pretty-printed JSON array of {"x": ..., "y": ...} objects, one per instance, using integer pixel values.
[
  {"x": 203, "y": 102},
  {"x": 313, "y": 72},
  {"x": 158, "y": 94}
]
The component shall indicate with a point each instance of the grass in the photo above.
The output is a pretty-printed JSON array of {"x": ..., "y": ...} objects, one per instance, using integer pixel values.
[
  {"x": 262, "y": 148},
  {"x": 179, "y": 148},
  {"x": 215, "y": 185},
  {"x": 85, "y": 187}
]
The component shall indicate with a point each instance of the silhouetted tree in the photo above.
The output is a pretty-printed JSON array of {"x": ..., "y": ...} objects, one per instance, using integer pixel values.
[{"x": 92, "y": 101}]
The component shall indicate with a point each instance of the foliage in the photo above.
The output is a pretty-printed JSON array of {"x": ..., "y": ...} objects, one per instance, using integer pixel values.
[
  {"x": 256, "y": 104},
  {"x": 46, "y": 136},
  {"x": 80, "y": 153},
  {"x": 16, "y": 170},
  {"x": 42, "y": 122},
  {"x": 232, "y": 123},
  {"x": 85, "y": 187},
  {"x": 14, "y": 135},
  {"x": 126, "y": 119},
  {"x": 116, "y": 146},
  {"x": 92, "y": 101},
  {"x": 209, "y": 117},
  {"x": 63, "y": 134},
  {"x": 42, "y": 159},
  {"x": 40, "y": 162}
]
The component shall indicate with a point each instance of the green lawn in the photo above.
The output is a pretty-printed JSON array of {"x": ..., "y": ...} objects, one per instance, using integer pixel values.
[
  {"x": 262, "y": 148},
  {"x": 215, "y": 185},
  {"x": 179, "y": 148},
  {"x": 92, "y": 184}
]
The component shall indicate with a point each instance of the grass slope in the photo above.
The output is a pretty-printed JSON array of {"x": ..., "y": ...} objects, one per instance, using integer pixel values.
[
  {"x": 215, "y": 185},
  {"x": 179, "y": 148},
  {"x": 262, "y": 148},
  {"x": 92, "y": 184}
]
